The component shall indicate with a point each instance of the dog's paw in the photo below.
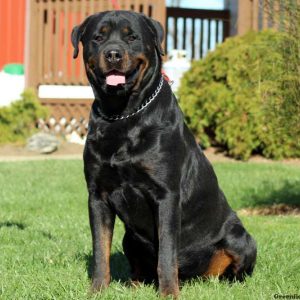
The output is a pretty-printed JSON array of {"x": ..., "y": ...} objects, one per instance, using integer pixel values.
[
  {"x": 169, "y": 292},
  {"x": 136, "y": 283},
  {"x": 98, "y": 285}
]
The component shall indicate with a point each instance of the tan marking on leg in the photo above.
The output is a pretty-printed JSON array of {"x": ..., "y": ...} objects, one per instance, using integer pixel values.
[
  {"x": 218, "y": 263},
  {"x": 105, "y": 240},
  {"x": 171, "y": 288}
]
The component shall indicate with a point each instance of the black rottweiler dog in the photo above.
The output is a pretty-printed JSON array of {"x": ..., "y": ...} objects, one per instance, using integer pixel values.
[{"x": 142, "y": 163}]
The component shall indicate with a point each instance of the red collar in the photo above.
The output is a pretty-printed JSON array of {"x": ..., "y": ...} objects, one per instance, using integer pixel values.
[{"x": 166, "y": 77}]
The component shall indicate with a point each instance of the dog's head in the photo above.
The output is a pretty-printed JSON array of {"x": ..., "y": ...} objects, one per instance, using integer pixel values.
[{"x": 121, "y": 49}]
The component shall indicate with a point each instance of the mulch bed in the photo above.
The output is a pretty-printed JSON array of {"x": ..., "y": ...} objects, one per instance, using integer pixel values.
[{"x": 275, "y": 209}]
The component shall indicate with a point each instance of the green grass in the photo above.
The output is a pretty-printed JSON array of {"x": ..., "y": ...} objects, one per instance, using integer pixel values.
[
  {"x": 45, "y": 243},
  {"x": 253, "y": 184}
]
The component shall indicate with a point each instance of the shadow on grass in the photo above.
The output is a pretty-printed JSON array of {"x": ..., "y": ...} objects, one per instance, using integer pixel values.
[
  {"x": 268, "y": 194},
  {"x": 18, "y": 225},
  {"x": 47, "y": 235},
  {"x": 22, "y": 226},
  {"x": 118, "y": 265}
]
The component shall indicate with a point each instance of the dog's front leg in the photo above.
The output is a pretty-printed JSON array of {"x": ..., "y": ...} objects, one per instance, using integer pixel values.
[
  {"x": 168, "y": 234},
  {"x": 102, "y": 220}
]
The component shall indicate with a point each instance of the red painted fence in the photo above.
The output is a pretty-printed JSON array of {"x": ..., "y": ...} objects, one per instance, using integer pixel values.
[{"x": 12, "y": 31}]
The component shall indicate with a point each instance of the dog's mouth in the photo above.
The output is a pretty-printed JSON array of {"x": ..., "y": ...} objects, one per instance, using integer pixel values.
[{"x": 116, "y": 78}]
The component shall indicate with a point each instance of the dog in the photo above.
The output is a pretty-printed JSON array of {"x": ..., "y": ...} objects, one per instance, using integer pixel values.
[{"x": 142, "y": 164}]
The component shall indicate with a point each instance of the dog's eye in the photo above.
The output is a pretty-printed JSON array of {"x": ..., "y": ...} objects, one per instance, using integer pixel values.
[
  {"x": 132, "y": 38},
  {"x": 99, "y": 38}
]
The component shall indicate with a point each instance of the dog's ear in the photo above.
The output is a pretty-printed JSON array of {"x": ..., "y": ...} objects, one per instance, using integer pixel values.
[
  {"x": 158, "y": 32},
  {"x": 77, "y": 34},
  {"x": 75, "y": 38},
  {"x": 160, "y": 36}
]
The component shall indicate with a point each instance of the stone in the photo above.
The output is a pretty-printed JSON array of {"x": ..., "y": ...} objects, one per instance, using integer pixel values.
[
  {"x": 75, "y": 138},
  {"x": 43, "y": 143}
]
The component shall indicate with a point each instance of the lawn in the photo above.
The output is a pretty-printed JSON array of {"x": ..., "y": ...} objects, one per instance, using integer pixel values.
[{"x": 45, "y": 243}]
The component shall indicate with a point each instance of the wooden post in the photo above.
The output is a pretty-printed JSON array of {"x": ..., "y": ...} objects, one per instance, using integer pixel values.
[
  {"x": 255, "y": 9},
  {"x": 29, "y": 55},
  {"x": 244, "y": 16},
  {"x": 265, "y": 10},
  {"x": 226, "y": 27}
]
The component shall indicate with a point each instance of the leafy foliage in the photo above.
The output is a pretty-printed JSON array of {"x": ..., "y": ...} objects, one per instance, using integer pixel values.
[
  {"x": 18, "y": 121},
  {"x": 242, "y": 95}
]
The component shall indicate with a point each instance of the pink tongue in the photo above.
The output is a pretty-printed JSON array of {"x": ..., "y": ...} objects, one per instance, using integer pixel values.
[{"x": 115, "y": 79}]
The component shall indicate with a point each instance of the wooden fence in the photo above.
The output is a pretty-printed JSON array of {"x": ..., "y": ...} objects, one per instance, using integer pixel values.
[
  {"x": 197, "y": 30},
  {"x": 67, "y": 116},
  {"x": 51, "y": 23},
  {"x": 261, "y": 14},
  {"x": 49, "y": 52}
]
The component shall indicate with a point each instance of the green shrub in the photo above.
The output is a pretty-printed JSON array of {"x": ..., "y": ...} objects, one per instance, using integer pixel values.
[
  {"x": 18, "y": 121},
  {"x": 241, "y": 96},
  {"x": 288, "y": 18}
]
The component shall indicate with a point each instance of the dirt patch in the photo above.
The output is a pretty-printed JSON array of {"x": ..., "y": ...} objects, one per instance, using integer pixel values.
[
  {"x": 71, "y": 150},
  {"x": 216, "y": 154},
  {"x": 19, "y": 152},
  {"x": 275, "y": 209}
]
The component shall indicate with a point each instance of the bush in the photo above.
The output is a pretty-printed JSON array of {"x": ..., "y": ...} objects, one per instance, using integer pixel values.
[
  {"x": 288, "y": 16},
  {"x": 238, "y": 97},
  {"x": 18, "y": 121}
]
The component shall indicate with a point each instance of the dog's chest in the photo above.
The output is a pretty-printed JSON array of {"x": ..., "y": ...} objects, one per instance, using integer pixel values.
[
  {"x": 134, "y": 208},
  {"x": 118, "y": 143},
  {"x": 126, "y": 170},
  {"x": 123, "y": 157},
  {"x": 132, "y": 190}
]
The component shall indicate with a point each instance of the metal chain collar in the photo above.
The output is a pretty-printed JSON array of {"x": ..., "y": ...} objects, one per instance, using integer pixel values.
[{"x": 140, "y": 108}]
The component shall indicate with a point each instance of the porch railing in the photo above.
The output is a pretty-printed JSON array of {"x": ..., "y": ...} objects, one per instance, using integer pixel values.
[
  {"x": 196, "y": 30},
  {"x": 49, "y": 55}
]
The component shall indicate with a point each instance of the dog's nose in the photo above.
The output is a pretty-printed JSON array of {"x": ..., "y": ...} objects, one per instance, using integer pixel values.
[{"x": 113, "y": 56}]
